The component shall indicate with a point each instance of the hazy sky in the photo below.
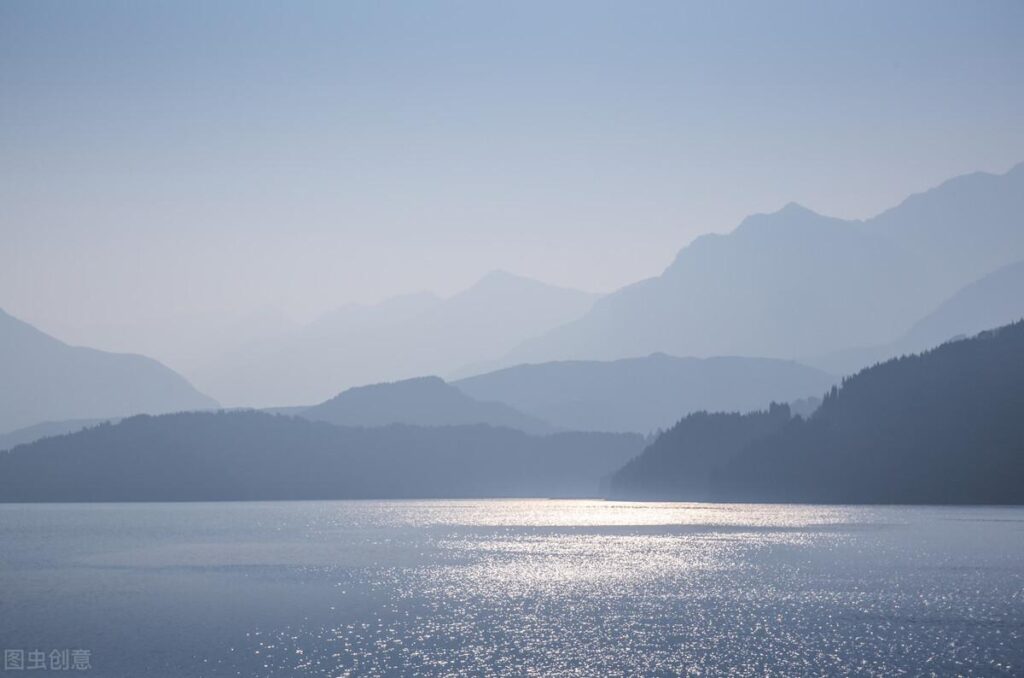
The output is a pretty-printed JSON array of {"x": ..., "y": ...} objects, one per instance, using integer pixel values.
[{"x": 163, "y": 159}]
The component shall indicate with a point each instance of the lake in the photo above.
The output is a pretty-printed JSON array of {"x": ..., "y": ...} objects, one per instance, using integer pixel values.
[{"x": 514, "y": 587}]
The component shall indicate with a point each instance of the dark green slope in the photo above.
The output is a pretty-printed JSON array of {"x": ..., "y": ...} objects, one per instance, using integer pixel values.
[{"x": 945, "y": 426}]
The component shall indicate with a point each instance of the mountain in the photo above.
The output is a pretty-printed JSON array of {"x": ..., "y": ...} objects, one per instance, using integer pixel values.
[
  {"x": 968, "y": 226},
  {"x": 396, "y": 340},
  {"x": 679, "y": 463},
  {"x": 941, "y": 427},
  {"x": 187, "y": 342},
  {"x": 643, "y": 394},
  {"x": 424, "y": 401},
  {"x": 994, "y": 300},
  {"x": 44, "y": 379},
  {"x": 248, "y": 455},
  {"x": 796, "y": 283}
]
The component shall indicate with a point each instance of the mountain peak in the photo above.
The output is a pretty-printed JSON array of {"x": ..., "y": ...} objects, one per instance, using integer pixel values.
[
  {"x": 414, "y": 385},
  {"x": 420, "y": 401},
  {"x": 793, "y": 208},
  {"x": 790, "y": 214}
]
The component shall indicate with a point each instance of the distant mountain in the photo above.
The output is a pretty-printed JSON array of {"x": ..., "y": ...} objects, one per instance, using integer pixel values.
[
  {"x": 252, "y": 455},
  {"x": 43, "y": 379},
  {"x": 796, "y": 283},
  {"x": 396, "y": 340},
  {"x": 644, "y": 394},
  {"x": 966, "y": 227},
  {"x": 941, "y": 427},
  {"x": 187, "y": 342},
  {"x": 424, "y": 401},
  {"x": 994, "y": 300}
]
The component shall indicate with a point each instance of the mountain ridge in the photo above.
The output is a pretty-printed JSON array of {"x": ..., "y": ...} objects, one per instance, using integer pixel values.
[
  {"x": 421, "y": 401},
  {"x": 994, "y": 300},
  {"x": 250, "y": 456},
  {"x": 793, "y": 283},
  {"x": 46, "y": 379}
]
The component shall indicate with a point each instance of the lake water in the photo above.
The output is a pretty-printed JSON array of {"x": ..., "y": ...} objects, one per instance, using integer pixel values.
[{"x": 514, "y": 587}]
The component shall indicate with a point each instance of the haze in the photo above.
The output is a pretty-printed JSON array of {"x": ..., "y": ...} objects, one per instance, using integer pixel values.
[
  {"x": 176, "y": 164},
  {"x": 512, "y": 338}
]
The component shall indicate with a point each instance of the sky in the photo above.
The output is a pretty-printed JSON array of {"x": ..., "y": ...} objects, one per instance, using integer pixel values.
[{"x": 192, "y": 160}]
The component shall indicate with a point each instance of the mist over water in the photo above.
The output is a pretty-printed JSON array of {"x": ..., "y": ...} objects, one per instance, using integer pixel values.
[
  {"x": 516, "y": 587},
  {"x": 383, "y": 339}
]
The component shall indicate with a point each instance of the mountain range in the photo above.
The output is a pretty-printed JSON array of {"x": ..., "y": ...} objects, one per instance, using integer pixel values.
[
  {"x": 398, "y": 339},
  {"x": 638, "y": 395},
  {"x": 940, "y": 427},
  {"x": 795, "y": 283},
  {"x": 788, "y": 285}
]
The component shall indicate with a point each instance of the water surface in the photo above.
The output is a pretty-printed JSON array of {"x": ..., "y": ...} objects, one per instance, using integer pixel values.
[{"x": 515, "y": 587}]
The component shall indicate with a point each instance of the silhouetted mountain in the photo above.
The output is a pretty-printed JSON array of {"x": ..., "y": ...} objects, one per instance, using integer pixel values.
[
  {"x": 396, "y": 340},
  {"x": 643, "y": 394},
  {"x": 795, "y": 283},
  {"x": 424, "y": 401},
  {"x": 679, "y": 463},
  {"x": 997, "y": 299},
  {"x": 43, "y": 379},
  {"x": 252, "y": 455},
  {"x": 941, "y": 427}
]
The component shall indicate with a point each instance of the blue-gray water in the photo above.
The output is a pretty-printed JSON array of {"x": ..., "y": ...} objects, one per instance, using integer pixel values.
[{"x": 515, "y": 587}]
